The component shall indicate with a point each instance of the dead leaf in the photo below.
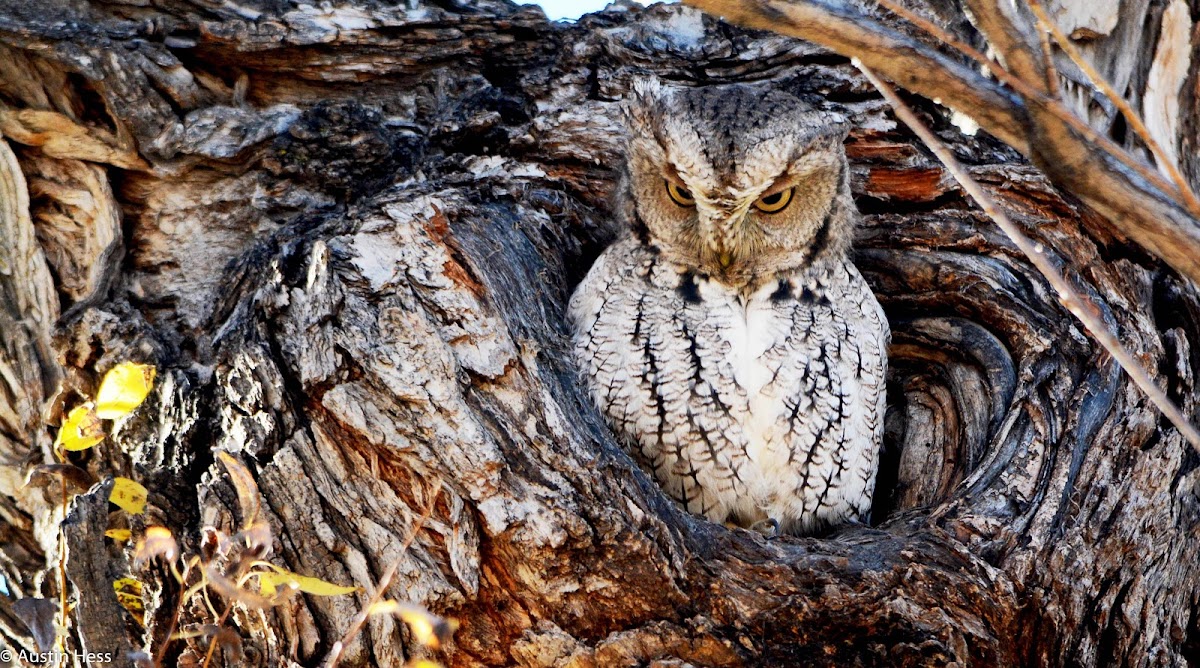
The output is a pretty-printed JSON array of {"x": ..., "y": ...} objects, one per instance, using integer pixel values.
[
  {"x": 129, "y": 495},
  {"x": 247, "y": 489},
  {"x": 129, "y": 595},
  {"x": 76, "y": 479}
]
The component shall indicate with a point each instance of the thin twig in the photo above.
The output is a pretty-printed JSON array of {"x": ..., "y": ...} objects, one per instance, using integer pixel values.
[
  {"x": 212, "y": 644},
  {"x": 1048, "y": 61},
  {"x": 61, "y": 639},
  {"x": 183, "y": 597},
  {"x": 335, "y": 654},
  {"x": 1072, "y": 299},
  {"x": 1135, "y": 122}
]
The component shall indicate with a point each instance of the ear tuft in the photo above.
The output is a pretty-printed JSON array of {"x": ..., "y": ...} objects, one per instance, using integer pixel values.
[
  {"x": 644, "y": 102},
  {"x": 837, "y": 126},
  {"x": 645, "y": 86}
]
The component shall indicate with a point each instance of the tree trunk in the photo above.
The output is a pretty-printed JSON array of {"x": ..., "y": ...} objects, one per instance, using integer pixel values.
[{"x": 346, "y": 234}]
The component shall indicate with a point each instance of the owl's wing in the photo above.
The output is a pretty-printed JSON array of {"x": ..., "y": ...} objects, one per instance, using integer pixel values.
[{"x": 655, "y": 367}]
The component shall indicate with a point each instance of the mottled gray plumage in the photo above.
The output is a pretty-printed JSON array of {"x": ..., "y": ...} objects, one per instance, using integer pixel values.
[{"x": 728, "y": 338}]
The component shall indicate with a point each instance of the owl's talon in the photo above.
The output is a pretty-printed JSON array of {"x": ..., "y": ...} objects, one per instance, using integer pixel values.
[{"x": 768, "y": 527}]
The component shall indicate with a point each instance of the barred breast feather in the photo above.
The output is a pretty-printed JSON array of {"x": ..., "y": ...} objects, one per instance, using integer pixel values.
[{"x": 751, "y": 404}]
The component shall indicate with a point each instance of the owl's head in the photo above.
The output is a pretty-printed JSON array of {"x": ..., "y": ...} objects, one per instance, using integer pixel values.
[{"x": 737, "y": 182}]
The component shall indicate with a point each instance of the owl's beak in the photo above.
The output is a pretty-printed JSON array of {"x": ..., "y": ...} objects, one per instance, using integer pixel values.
[{"x": 721, "y": 250}]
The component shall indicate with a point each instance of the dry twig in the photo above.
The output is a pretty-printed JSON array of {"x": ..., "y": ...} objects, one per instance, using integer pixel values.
[
  {"x": 1076, "y": 303},
  {"x": 1135, "y": 122},
  {"x": 335, "y": 653}
]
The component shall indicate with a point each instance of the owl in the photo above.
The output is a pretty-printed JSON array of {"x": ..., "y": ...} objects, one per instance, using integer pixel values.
[{"x": 727, "y": 337}]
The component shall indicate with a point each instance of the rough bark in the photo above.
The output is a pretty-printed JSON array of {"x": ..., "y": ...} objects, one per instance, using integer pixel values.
[{"x": 346, "y": 235}]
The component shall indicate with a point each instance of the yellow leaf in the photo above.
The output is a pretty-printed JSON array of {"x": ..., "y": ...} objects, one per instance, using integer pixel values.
[
  {"x": 129, "y": 595},
  {"x": 119, "y": 535},
  {"x": 81, "y": 429},
  {"x": 129, "y": 586},
  {"x": 384, "y": 607},
  {"x": 269, "y": 582},
  {"x": 427, "y": 628},
  {"x": 129, "y": 495},
  {"x": 123, "y": 389},
  {"x": 423, "y": 663},
  {"x": 266, "y": 584}
]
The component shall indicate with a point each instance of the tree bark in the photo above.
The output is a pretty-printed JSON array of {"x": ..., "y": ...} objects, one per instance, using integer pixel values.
[{"x": 346, "y": 234}]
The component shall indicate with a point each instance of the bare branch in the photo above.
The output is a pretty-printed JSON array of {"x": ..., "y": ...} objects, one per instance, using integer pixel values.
[
  {"x": 1072, "y": 299},
  {"x": 1131, "y": 116},
  {"x": 1049, "y": 98},
  {"x": 1013, "y": 37},
  {"x": 1001, "y": 23}
]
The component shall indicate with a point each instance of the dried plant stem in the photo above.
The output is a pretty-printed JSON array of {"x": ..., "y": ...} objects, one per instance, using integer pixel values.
[
  {"x": 1135, "y": 122},
  {"x": 212, "y": 643},
  {"x": 1048, "y": 63},
  {"x": 335, "y": 654},
  {"x": 183, "y": 596},
  {"x": 1076, "y": 303},
  {"x": 61, "y": 638}
]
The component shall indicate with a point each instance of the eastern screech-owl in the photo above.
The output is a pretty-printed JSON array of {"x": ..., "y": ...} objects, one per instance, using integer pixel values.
[{"x": 728, "y": 338}]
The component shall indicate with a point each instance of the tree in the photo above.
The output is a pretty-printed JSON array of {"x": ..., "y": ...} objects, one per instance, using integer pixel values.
[{"x": 345, "y": 236}]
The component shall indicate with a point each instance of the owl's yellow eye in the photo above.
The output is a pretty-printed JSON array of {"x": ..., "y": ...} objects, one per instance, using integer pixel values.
[
  {"x": 775, "y": 202},
  {"x": 680, "y": 195}
]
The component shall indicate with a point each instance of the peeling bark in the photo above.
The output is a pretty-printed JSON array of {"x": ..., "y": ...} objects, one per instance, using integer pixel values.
[{"x": 346, "y": 236}]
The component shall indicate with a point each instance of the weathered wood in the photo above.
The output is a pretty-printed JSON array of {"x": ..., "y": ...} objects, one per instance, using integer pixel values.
[
  {"x": 346, "y": 237},
  {"x": 91, "y": 560},
  {"x": 1169, "y": 71}
]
